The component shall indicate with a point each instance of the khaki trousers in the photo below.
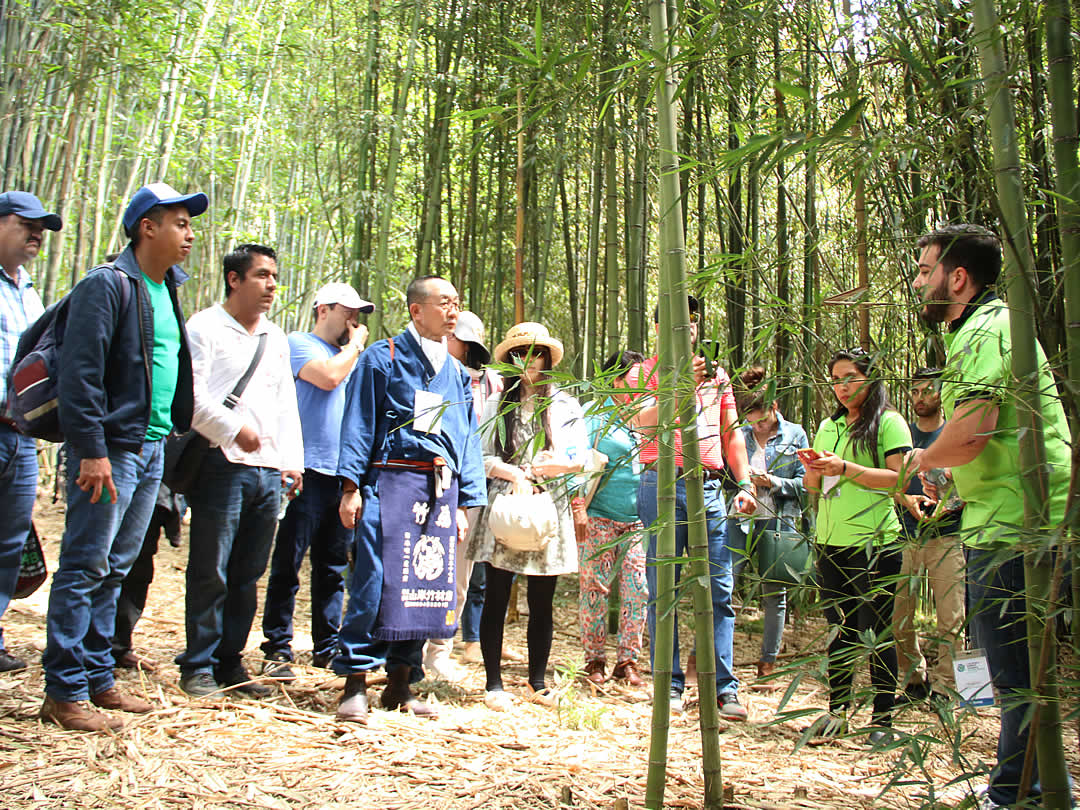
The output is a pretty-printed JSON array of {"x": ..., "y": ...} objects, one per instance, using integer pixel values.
[{"x": 943, "y": 560}]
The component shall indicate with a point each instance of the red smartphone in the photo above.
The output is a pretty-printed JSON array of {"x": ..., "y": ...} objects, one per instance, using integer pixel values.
[{"x": 807, "y": 453}]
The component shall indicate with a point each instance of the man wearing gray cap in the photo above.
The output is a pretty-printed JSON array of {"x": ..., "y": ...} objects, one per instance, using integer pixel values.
[
  {"x": 126, "y": 383},
  {"x": 23, "y": 221},
  {"x": 322, "y": 363}
]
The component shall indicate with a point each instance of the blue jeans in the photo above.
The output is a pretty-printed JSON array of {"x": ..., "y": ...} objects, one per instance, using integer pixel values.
[
  {"x": 773, "y": 594},
  {"x": 474, "y": 603},
  {"x": 18, "y": 486},
  {"x": 358, "y": 649},
  {"x": 720, "y": 576},
  {"x": 233, "y": 516},
  {"x": 311, "y": 521},
  {"x": 998, "y": 624},
  {"x": 101, "y": 541}
]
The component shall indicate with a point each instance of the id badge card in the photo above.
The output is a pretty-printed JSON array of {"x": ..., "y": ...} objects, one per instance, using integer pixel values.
[
  {"x": 427, "y": 412},
  {"x": 973, "y": 682},
  {"x": 828, "y": 484}
]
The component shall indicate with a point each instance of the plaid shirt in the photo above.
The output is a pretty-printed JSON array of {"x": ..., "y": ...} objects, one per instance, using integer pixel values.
[{"x": 20, "y": 306}]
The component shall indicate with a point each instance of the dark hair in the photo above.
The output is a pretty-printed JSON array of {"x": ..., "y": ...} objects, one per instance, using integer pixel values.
[
  {"x": 239, "y": 261},
  {"x": 155, "y": 213},
  {"x": 927, "y": 374},
  {"x": 864, "y": 433},
  {"x": 692, "y": 302},
  {"x": 509, "y": 412},
  {"x": 751, "y": 390},
  {"x": 972, "y": 247},
  {"x": 417, "y": 291},
  {"x": 619, "y": 363}
]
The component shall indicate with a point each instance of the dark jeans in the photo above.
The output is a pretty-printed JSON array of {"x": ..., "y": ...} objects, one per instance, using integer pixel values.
[
  {"x": 998, "y": 624},
  {"x": 233, "y": 516},
  {"x": 311, "y": 521},
  {"x": 101, "y": 541},
  {"x": 474, "y": 603},
  {"x": 18, "y": 487},
  {"x": 540, "y": 595},
  {"x": 133, "y": 590},
  {"x": 857, "y": 592}
]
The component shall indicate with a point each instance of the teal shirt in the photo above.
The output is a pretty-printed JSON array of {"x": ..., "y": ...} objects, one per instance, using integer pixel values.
[
  {"x": 165, "y": 365},
  {"x": 616, "y": 499}
]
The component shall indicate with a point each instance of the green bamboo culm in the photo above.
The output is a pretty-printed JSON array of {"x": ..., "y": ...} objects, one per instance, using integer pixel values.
[
  {"x": 1063, "y": 118},
  {"x": 676, "y": 393},
  {"x": 1046, "y": 731}
]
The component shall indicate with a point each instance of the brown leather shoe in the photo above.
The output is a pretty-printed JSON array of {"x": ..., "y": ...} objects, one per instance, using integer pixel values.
[
  {"x": 627, "y": 671},
  {"x": 77, "y": 716},
  {"x": 397, "y": 696},
  {"x": 354, "y": 703},
  {"x": 594, "y": 671},
  {"x": 130, "y": 660},
  {"x": 118, "y": 701},
  {"x": 764, "y": 670}
]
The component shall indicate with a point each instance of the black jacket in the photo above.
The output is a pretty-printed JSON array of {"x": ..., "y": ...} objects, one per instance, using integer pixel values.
[{"x": 106, "y": 357}]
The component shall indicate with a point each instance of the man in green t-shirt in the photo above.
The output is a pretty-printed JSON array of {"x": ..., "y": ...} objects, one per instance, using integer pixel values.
[{"x": 958, "y": 265}]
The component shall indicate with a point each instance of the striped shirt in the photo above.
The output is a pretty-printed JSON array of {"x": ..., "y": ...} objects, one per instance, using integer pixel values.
[
  {"x": 20, "y": 306},
  {"x": 714, "y": 396}
]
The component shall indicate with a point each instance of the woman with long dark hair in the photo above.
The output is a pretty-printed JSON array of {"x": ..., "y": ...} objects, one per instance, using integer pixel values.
[
  {"x": 853, "y": 471},
  {"x": 534, "y": 435}
]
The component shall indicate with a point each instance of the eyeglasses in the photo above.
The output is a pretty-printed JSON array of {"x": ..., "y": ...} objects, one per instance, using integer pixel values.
[{"x": 446, "y": 304}]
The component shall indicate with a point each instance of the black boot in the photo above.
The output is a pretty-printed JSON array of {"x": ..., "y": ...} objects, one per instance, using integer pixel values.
[
  {"x": 398, "y": 695},
  {"x": 354, "y": 703}
]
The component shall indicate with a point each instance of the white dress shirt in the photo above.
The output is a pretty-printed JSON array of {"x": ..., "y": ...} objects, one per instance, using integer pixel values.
[{"x": 221, "y": 350}]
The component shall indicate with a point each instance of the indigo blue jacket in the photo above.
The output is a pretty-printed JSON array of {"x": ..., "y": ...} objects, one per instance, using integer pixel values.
[
  {"x": 378, "y": 421},
  {"x": 785, "y": 470},
  {"x": 106, "y": 357}
]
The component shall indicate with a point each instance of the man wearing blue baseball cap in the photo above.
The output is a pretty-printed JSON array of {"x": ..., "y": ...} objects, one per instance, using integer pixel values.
[
  {"x": 23, "y": 222},
  {"x": 126, "y": 383}
]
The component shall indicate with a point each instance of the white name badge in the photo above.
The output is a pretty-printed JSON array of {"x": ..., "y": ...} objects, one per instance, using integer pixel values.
[
  {"x": 427, "y": 412},
  {"x": 973, "y": 678},
  {"x": 829, "y": 483}
]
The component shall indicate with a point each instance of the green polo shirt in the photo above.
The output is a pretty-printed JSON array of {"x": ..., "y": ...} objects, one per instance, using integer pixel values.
[
  {"x": 979, "y": 369},
  {"x": 165, "y": 361},
  {"x": 851, "y": 514}
]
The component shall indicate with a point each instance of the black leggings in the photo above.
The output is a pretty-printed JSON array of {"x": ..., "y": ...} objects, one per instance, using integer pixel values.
[
  {"x": 540, "y": 593},
  {"x": 857, "y": 592}
]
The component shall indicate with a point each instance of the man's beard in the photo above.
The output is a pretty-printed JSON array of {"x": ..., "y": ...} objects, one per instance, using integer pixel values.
[
  {"x": 936, "y": 305},
  {"x": 343, "y": 338},
  {"x": 924, "y": 409}
]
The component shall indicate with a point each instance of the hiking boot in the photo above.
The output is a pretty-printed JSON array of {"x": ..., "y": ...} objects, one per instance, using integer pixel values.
[
  {"x": 627, "y": 671},
  {"x": 594, "y": 671},
  {"x": 118, "y": 701},
  {"x": 236, "y": 678},
  {"x": 276, "y": 666},
  {"x": 397, "y": 696},
  {"x": 10, "y": 663},
  {"x": 354, "y": 703},
  {"x": 77, "y": 716},
  {"x": 730, "y": 708},
  {"x": 764, "y": 670},
  {"x": 198, "y": 684},
  {"x": 130, "y": 660}
]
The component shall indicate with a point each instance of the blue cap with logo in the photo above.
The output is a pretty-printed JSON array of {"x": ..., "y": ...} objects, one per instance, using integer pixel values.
[
  {"x": 161, "y": 194},
  {"x": 28, "y": 206}
]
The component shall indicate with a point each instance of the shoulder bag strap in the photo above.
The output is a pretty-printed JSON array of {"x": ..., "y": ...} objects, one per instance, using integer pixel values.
[{"x": 241, "y": 384}]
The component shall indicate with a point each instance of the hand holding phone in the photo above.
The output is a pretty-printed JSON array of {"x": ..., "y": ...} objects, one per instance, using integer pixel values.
[{"x": 807, "y": 454}]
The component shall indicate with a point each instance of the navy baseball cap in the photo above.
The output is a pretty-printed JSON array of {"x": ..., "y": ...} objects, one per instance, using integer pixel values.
[
  {"x": 28, "y": 206},
  {"x": 161, "y": 194}
]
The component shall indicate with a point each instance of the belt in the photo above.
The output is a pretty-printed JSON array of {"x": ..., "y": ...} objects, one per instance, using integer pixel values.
[
  {"x": 410, "y": 464},
  {"x": 708, "y": 473}
]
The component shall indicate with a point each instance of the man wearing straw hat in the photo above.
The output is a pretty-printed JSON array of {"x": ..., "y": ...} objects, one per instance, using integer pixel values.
[{"x": 410, "y": 466}]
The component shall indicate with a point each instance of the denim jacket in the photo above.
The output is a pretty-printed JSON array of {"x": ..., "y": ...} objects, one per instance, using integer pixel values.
[{"x": 785, "y": 470}]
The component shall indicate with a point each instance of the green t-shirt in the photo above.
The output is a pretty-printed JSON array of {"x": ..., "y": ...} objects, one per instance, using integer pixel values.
[
  {"x": 851, "y": 514},
  {"x": 166, "y": 361},
  {"x": 979, "y": 368}
]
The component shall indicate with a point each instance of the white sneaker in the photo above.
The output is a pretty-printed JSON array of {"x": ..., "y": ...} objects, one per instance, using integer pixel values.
[{"x": 498, "y": 701}]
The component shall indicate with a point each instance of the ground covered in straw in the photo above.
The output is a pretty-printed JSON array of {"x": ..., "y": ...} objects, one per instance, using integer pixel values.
[{"x": 592, "y": 751}]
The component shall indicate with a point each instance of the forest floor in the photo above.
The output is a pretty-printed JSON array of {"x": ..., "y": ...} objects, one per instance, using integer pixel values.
[{"x": 289, "y": 752}]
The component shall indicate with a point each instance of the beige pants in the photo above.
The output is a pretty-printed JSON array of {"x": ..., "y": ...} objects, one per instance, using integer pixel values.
[
  {"x": 443, "y": 647},
  {"x": 943, "y": 560}
]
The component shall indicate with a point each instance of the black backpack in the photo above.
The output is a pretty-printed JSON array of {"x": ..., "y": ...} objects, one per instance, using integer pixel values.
[{"x": 33, "y": 399}]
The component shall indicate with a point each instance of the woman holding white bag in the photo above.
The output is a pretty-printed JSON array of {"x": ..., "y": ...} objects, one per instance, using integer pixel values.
[{"x": 534, "y": 440}]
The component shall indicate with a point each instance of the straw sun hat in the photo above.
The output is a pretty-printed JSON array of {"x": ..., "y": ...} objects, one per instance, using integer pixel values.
[{"x": 526, "y": 334}]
